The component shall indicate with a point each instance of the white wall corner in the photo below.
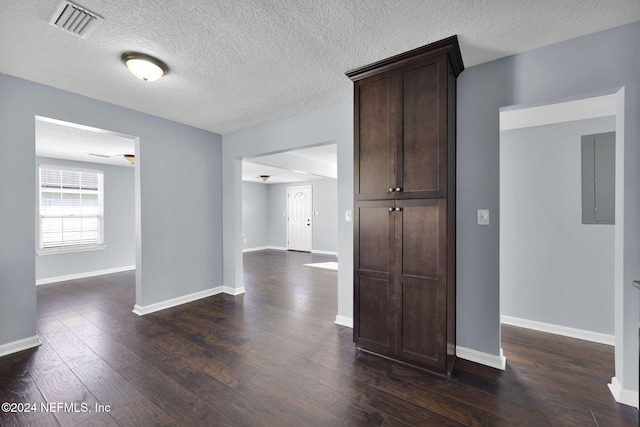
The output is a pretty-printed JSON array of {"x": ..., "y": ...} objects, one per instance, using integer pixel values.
[
  {"x": 162, "y": 305},
  {"x": 20, "y": 345},
  {"x": 233, "y": 291},
  {"x": 491, "y": 360},
  {"x": 622, "y": 395},
  {"x": 344, "y": 321}
]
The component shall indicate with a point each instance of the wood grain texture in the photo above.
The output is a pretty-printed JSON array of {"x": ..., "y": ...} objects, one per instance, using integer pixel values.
[{"x": 274, "y": 357}]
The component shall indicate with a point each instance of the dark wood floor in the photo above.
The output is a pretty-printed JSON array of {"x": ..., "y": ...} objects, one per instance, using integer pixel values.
[{"x": 274, "y": 357}]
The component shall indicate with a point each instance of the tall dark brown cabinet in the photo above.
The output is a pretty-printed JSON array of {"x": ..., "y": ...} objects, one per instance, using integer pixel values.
[{"x": 404, "y": 222}]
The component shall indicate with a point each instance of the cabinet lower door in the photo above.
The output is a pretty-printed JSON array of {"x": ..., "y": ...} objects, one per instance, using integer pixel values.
[
  {"x": 421, "y": 283},
  {"x": 373, "y": 291}
]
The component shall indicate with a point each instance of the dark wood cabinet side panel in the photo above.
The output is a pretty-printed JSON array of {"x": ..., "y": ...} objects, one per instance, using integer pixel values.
[
  {"x": 375, "y": 163},
  {"x": 420, "y": 129}
]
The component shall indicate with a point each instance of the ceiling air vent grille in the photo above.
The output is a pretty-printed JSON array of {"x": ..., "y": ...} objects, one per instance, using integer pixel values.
[{"x": 75, "y": 19}]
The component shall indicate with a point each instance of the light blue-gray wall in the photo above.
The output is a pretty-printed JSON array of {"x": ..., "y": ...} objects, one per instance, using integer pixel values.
[
  {"x": 255, "y": 215},
  {"x": 264, "y": 222},
  {"x": 598, "y": 63},
  {"x": 553, "y": 268},
  {"x": 178, "y": 208},
  {"x": 325, "y": 224},
  {"x": 119, "y": 226}
]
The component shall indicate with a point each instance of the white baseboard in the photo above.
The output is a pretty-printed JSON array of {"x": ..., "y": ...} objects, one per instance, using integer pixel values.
[
  {"x": 491, "y": 360},
  {"x": 313, "y": 251},
  {"x": 20, "y": 345},
  {"x": 281, "y": 248},
  {"x": 84, "y": 275},
  {"x": 622, "y": 395},
  {"x": 259, "y": 248},
  {"x": 559, "y": 330},
  {"x": 152, "y": 308},
  {"x": 344, "y": 321},
  {"x": 232, "y": 291}
]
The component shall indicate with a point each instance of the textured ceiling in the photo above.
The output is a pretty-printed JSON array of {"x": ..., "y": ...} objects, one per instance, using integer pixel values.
[{"x": 238, "y": 63}]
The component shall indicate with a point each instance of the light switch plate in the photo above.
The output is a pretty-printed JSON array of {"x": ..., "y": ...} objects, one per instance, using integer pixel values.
[
  {"x": 483, "y": 216},
  {"x": 347, "y": 216}
]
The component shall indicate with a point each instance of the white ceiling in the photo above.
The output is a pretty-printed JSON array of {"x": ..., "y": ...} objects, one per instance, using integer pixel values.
[
  {"x": 326, "y": 155},
  {"x": 62, "y": 140},
  {"x": 238, "y": 63}
]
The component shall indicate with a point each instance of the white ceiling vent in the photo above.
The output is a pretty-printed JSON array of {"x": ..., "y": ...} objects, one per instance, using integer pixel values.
[{"x": 75, "y": 19}]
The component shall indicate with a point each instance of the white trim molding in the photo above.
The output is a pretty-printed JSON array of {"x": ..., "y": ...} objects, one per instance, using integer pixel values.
[
  {"x": 20, "y": 345},
  {"x": 84, "y": 275},
  {"x": 344, "y": 321},
  {"x": 162, "y": 305},
  {"x": 259, "y": 248},
  {"x": 622, "y": 395},
  {"x": 491, "y": 360},
  {"x": 566, "y": 331},
  {"x": 313, "y": 251},
  {"x": 233, "y": 291}
]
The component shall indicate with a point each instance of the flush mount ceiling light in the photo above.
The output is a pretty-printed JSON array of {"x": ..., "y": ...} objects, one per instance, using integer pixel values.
[
  {"x": 131, "y": 158},
  {"x": 144, "y": 67},
  {"x": 264, "y": 177}
]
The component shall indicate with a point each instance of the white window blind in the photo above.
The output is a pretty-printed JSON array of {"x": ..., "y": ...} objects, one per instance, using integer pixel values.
[{"x": 71, "y": 208}]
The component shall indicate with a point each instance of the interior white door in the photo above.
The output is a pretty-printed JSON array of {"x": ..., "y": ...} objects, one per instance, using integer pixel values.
[{"x": 299, "y": 218}]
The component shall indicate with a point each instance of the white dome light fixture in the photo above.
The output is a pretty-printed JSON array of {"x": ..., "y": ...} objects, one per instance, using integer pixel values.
[{"x": 144, "y": 67}]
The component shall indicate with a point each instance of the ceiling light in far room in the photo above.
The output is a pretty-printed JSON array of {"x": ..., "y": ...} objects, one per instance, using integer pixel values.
[
  {"x": 264, "y": 177},
  {"x": 144, "y": 67},
  {"x": 131, "y": 158}
]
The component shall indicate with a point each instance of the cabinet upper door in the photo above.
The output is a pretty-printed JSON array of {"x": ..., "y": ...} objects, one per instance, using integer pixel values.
[
  {"x": 376, "y": 105},
  {"x": 401, "y": 131},
  {"x": 422, "y": 149}
]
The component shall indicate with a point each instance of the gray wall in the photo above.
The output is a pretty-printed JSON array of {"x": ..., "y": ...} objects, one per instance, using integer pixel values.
[
  {"x": 178, "y": 214},
  {"x": 119, "y": 226},
  {"x": 255, "y": 215},
  {"x": 598, "y": 63},
  {"x": 553, "y": 268},
  {"x": 325, "y": 224}
]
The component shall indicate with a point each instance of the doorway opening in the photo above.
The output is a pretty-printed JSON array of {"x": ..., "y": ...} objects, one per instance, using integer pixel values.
[
  {"x": 69, "y": 209},
  {"x": 557, "y": 274}
]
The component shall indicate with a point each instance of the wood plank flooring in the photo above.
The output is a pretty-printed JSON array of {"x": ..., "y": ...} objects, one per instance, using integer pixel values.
[{"x": 274, "y": 357}]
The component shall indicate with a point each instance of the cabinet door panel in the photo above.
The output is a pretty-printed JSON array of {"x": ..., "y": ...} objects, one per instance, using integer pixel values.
[
  {"x": 420, "y": 338},
  {"x": 373, "y": 291},
  {"x": 421, "y": 244},
  {"x": 374, "y": 145},
  {"x": 423, "y": 152}
]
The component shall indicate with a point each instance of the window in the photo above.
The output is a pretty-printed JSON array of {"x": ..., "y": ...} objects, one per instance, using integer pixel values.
[{"x": 71, "y": 209}]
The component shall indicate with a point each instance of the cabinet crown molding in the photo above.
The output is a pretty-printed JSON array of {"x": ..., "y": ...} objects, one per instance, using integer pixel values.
[{"x": 449, "y": 45}]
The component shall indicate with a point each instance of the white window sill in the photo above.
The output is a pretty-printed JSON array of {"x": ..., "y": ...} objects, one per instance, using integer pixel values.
[{"x": 54, "y": 251}]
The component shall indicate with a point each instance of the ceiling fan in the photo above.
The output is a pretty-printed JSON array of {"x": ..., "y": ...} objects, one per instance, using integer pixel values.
[{"x": 131, "y": 158}]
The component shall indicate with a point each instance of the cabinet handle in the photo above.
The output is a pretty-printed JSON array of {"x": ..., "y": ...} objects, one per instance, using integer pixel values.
[
  {"x": 398, "y": 189},
  {"x": 391, "y": 209},
  {"x": 391, "y": 190},
  {"x": 398, "y": 209}
]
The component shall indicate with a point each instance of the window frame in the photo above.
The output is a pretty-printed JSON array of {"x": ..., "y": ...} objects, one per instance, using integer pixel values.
[{"x": 81, "y": 247}]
